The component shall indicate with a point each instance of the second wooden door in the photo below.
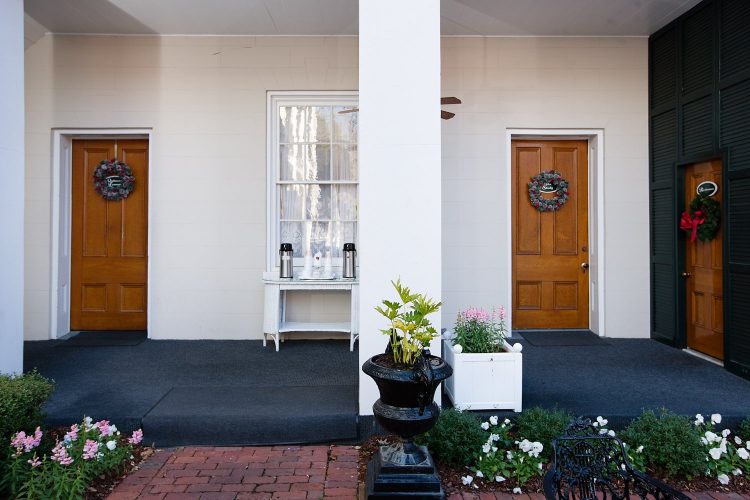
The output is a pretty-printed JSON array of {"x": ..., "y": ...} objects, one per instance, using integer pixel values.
[{"x": 550, "y": 249}]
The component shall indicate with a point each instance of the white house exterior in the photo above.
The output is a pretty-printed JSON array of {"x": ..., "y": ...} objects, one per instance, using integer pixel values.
[{"x": 203, "y": 102}]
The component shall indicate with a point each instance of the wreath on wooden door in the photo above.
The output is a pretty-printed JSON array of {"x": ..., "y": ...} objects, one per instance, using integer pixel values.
[
  {"x": 548, "y": 181},
  {"x": 113, "y": 180},
  {"x": 702, "y": 219}
]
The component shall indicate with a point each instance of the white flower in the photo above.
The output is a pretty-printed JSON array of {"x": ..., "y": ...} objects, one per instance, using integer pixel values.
[
  {"x": 602, "y": 431},
  {"x": 525, "y": 445},
  {"x": 715, "y": 453},
  {"x": 111, "y": 445},
  {"x": 539, "y": 465},
  {"x": 723, "y": 478},
  {"x": 112, "y": 429},
  {"x": 516, "y": 491},
  {"x": 639, "y": 449},
  {"x": 458, "y": 349},
  {"x": 726, "y": 432},
  {"x": 716, "y": 418},
  {"x": 499, "y": 479},
  {"x": 711, "y": 437},
  {"x": 704, "y": 440},
  {"x": 699, "y": 419},
  {"x": 743, "y": 454},
  {"x": 494, "y": 437},
  {"x": 611, "y": 433},
  {"x": 480, "y": 474},
  {"x": 536, "y": 448},
  {"x": 493, "y": 420},
  {"x": 509, "y": 455},
  {"x": 486, "y": 448},
  {"x": 747, "y": 445},
  {"x": 737, "y": 440},
  {"x": 485, "y": 425},
  {"x": 506, "y": 421},
  {"x": 494, "y": 449},
  {"x": 602, "y": 421},
  {"x": 737, "y": 472},
  {"x": 466, "y": 480}
]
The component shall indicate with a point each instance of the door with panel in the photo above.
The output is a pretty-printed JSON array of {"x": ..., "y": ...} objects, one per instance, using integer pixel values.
[
  {"x": 703, "y": 273},
  {"x": 550, "y": 249},
  {"x": 109, "y": 240}
]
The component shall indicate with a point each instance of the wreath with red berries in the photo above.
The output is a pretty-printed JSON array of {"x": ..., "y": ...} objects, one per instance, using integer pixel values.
[
  {"x": 702, "y": 219},
  {"x": 548, "y": 181},
  {"x": 113, "y": 180}
]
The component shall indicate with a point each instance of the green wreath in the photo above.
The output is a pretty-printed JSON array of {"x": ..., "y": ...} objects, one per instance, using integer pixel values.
[
  {"x": 705, "y": 214},
  {"x": 548, "y": 181}
]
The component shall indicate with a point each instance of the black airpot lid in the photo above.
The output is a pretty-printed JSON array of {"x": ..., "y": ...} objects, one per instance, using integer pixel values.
[{"x": 349, "y": 246}]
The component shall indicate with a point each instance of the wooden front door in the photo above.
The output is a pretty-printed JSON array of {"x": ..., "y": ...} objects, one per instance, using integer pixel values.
[
  {"x": 550, "y": 249},
  {"x": 703, "y": 273},
  {"x": 109, "y": 241}
]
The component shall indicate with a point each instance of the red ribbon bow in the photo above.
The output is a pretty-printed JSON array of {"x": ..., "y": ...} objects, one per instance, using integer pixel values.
[{"x": 690, "y": 224}]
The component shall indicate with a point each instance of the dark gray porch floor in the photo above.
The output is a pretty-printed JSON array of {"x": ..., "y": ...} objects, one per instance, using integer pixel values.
[{"x": 237, "y": 392}]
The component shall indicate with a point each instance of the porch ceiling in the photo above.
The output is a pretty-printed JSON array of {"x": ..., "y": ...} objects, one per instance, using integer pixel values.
[{"x": 339, "y": 17}]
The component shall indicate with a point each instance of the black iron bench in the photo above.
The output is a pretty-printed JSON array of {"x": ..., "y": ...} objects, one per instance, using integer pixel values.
[{"x": 588, "y": 465}]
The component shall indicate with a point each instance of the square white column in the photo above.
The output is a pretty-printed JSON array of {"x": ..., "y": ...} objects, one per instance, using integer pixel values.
[
  {"x": 399, "y": 162},
  {"x": 11, "y": 185}
]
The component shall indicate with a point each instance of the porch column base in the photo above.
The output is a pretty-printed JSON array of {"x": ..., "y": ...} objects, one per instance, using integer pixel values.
[{"x": 403, "y": 471}]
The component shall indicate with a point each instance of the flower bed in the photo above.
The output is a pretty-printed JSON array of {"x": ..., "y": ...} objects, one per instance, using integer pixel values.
[{"x": 65, "y": 465}]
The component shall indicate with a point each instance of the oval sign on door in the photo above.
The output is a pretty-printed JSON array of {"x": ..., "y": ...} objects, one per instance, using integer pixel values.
[{"x": 707, "y": 188}]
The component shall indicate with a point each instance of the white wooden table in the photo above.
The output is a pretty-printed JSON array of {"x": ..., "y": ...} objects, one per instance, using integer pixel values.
[{"x": 275, "y": 324}]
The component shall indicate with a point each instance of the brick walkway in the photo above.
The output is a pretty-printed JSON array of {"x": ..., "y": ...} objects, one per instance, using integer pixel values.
[{"x": 271, "y": 472}]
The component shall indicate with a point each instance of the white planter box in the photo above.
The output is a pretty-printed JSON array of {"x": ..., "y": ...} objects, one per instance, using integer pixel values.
[{"x": 487, "y": 381}]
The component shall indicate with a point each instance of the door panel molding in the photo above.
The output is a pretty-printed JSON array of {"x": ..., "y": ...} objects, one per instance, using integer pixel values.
[
  {"x": 60, "y": 255},
  {"x": 596, "y": 250}
]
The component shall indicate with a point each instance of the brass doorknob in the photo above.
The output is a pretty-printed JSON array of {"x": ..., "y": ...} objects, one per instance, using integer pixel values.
[
  {"x": 686, "y": 274},
  {"x": 584, "y": 266}
]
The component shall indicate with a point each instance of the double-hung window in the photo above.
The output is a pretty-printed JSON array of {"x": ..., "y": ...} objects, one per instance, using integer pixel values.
[{"x": 313, "y": 174}]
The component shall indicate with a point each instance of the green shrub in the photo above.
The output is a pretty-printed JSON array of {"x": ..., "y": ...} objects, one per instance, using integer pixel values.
[
  {"x": 543, "y": 425},
  {"x": 744, "y": 430},
  {"x": 671, "y": 443},
  {"x": 456, "y": 438},
  {"x": 21, "y": 399}
]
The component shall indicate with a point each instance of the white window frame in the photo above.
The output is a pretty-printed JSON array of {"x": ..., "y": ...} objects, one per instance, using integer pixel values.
[{"x": 275, "y": 100}]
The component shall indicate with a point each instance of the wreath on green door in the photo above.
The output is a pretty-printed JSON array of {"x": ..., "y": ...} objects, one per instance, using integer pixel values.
[
  {"x": 113, "y": 180},
  {"x": 548, "y": 181}
]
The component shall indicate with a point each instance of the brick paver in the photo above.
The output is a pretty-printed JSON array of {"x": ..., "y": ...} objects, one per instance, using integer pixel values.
[{"x": 271, "y": 472}]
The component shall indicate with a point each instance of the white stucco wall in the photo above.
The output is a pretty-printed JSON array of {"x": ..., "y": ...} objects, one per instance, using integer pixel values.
[
  {"x": 544, "y": 83},
  {"x": 205, "y": 99}
]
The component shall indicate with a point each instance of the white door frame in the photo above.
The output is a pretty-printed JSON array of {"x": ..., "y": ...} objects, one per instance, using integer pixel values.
[
  {"x": 62, "y": 195},
  {"x": 595, "y": 138}
]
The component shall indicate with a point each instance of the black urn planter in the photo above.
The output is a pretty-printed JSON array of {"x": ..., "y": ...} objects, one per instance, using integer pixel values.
[{"x": 406, "y": 408}]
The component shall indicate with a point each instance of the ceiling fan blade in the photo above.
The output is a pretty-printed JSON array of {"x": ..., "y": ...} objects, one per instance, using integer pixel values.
[
  {"x": 352, "y": 110},
  {"x": 446, "y": 115},
  {"x": 450, "y": 100}
]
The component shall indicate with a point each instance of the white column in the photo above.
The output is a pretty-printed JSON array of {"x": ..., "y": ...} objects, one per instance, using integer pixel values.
[
  {"x": 399, "y": 161},
  {"x": 11, "y": 185}
]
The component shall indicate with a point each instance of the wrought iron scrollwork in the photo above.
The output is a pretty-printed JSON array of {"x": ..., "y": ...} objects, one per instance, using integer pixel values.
[{"x": 588, "y": 466}]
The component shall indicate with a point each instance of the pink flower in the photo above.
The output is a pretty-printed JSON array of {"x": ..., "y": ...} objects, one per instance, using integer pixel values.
[
  {"x": 103, "y": 426},
  {"x": 35, "y": 462},
  {"x": 73, "y": 433},
  {"x": 476, "y": 314},
  {"x": 136, "y": 438},
  {"x": 90, "y": 449},
  {"x": 60, "y": 454},
  {"x": 23, "y": 443}
]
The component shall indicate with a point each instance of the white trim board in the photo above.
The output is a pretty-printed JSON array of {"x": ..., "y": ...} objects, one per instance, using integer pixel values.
[
  {"x": 61, "y": 219},
  {"x": 595, "y": 138}
]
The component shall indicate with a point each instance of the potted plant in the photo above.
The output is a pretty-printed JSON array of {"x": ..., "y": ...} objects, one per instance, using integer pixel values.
[
  {"x": 487, "y": 369},
  {"x": 407, "y": 376}
]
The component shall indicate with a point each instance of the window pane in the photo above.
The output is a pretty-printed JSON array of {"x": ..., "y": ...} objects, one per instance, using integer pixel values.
[
  {"x": 292, "y": 162},
  {"x": 293, "y": 202},
  {"x": 319, "y": 162},
  {"x": 342, "y": 232},
  {"x": 292, "y": 124},
  {"x": 319, "y": 123},
  {"x": 345, "y": 165},
  {"x": 318, "y": 205},
  {"x": 345, "y": 202},
  {"x": 292, "y": 232},
  {"x": 319, "y": 237},
  {"x": 344, "y": 125}
]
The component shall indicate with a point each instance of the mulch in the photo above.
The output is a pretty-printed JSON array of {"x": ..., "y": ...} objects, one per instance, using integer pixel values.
[
  {"x": 450, "y": 477},
  {"x": 102, "y": 486}
]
